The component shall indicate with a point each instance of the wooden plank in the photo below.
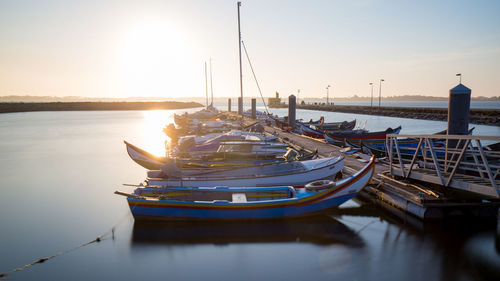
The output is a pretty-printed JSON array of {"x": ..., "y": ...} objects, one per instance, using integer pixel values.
[{"x": 462, "y": 185}]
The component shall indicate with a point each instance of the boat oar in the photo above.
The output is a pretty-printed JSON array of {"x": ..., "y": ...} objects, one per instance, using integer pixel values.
[
  {"x": 128, "y": 195},
  {"x": 248, "y": 126},
  {"x": 141, "y": 185}
]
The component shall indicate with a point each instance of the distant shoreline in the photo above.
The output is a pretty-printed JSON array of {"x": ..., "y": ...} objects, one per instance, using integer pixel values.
[
  {"x": 11, "y": 107},
  {"x": 482, "y": 116},
  {"x": 400, "y": 98}
]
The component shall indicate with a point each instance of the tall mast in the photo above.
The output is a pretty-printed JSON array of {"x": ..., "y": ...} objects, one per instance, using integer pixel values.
[
  {"x": 211, "y": 85},
  {"x": 239, "y": 45},
  {"x": 206, "y": 85}
]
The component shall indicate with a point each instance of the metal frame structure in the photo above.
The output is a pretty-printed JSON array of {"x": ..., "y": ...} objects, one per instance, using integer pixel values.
[{"x": 460, "y": 163}]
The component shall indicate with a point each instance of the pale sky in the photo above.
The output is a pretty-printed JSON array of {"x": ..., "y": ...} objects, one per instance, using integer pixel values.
[{"x": 158, "y": 48}]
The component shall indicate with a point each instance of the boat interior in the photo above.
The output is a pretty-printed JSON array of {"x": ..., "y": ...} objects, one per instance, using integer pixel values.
[{"x": 235, "y": 195}]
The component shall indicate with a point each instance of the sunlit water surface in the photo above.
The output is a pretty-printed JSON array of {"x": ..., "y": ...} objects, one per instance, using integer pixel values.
[{"x": 58, "y": 172}]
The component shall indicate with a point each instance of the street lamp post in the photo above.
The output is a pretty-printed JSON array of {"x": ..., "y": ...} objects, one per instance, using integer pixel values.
[
  {"x": 371, "y": 100},
  {"x": 327, "y": 93},
  {"x": 380, "y": 92},
  {"x": 332, "y": 93}
]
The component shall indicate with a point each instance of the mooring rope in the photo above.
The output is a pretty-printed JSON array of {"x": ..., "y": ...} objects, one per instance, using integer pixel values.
[
  {"x": 104, "y": 236},
  {"x": 42, "y": 260}
]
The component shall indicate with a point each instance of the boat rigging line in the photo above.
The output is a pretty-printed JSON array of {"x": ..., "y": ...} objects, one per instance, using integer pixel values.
[
  {"x": 254, "y": 76},
  {"x": 211, "y": 85},
  {"x": 206, "y": 86}
]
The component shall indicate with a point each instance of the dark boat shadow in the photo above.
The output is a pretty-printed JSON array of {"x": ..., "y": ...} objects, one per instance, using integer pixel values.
[{"x": 320, "y": 230}]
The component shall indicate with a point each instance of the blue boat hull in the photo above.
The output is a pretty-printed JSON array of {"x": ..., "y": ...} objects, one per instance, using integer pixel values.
[
  {"x": 142, "y": 212},
  {"x": 304, "y": 201}
]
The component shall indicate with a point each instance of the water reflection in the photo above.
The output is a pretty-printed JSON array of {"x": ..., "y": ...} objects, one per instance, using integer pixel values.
[
  {"x": 482, "y": 254},
  {"x": 321, "y": 230},
  {"x": 57, "y": 164},
  {"x": 154, "y": 121},
  {"x": 457, "y": 248}
]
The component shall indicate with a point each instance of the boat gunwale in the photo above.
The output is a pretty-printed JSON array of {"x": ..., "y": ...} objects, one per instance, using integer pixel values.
[
  {"x": 277, "y": 203},
  {"x": 223, "y": 178}
]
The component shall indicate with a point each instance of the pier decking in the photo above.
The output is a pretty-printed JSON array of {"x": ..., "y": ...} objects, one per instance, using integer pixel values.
[
  {"x": 423, "y": 200},
  {"x": 479, "y": 168}
]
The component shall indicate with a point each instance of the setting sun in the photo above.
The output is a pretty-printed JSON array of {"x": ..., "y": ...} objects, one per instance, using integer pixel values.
[{"x": 154, "y": 61}]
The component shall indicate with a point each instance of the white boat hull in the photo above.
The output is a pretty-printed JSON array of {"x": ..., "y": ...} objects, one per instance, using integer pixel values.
[{"x": 326, "y": 168}]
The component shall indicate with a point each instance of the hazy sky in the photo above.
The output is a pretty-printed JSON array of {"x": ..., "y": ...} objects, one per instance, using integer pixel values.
[{"x": 158, "y": 48}]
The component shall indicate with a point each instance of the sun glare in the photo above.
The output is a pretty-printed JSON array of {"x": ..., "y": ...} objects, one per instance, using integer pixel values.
[
  {"x": 154, "y": 138},
  {"x": 154, "y": 61}
]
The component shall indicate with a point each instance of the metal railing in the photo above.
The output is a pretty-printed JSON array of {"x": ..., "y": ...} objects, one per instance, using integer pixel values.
[{"x": 459, "y": 161}]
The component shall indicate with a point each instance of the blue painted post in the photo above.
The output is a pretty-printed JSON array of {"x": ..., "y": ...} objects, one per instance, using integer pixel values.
[{"x": 458, "y": 112}]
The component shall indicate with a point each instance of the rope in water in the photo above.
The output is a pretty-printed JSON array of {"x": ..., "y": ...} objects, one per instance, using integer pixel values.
[
  {"x": 100, "y": 238},
  {"x": 42, "y": 260}
]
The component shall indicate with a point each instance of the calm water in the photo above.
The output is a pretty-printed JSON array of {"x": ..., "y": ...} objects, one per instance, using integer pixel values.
[
  {"x": 436, "y": 104},
  {"x": 58, "y": 172}
]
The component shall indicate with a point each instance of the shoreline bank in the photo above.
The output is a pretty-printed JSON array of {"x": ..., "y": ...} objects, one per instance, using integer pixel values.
[
  {"x": 11, "y": 107},
  {"x": 481, "y": 116}
]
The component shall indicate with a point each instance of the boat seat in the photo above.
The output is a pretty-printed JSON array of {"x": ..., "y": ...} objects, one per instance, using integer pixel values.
[{"x": 239, "y": 198}]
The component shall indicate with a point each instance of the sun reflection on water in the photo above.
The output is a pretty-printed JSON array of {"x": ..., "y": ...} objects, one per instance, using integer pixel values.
[{"x": 153, "y": 137}]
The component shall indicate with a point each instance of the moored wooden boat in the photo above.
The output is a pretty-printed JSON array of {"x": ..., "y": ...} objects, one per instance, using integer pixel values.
[
  {"x": 204, "y": 114},
  {"x": 239, "y": 149},
  {"x": 360, "y": 135},
  {"x": 154, "y": 162},
  {"x": 380, "y": 143},
  {"x": 297, "y": 173},
  {"x": 310, "y": 132},
  {"x": 333, "y": 126},
  {"x": 336, "y": 126},
  {"x": 231, "y": 203},
  {"x": 188, "y": 147},
  {"x": 318, "y": 131},
  {"x": 238, "y": 134}
]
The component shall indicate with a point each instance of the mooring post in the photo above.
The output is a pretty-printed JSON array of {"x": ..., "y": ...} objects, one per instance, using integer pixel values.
[
  {"x": 240, "y": 106},
  {"x": 254, "y": 108},
  {"x": 229, "y": 105},
  {"x": 292, "y": 106},
  {"x": 458, "y": 112}
]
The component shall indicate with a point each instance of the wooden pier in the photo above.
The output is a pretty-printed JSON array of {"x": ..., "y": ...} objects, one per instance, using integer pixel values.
[{"x": 422, "y": 200}]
